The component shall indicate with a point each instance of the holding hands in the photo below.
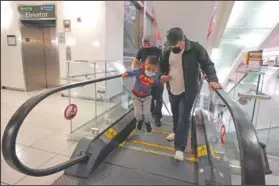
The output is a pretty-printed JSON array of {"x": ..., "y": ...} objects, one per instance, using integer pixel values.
[{"x": 165, "y": 78}]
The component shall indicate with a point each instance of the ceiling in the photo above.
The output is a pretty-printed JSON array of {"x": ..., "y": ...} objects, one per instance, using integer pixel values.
[
  {"x": 192, "y": 16},
  {"x": 249, "y": 25}
]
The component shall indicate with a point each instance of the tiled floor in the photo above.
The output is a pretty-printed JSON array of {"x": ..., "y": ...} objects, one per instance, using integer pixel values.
[{"x": 42, "y": 140}]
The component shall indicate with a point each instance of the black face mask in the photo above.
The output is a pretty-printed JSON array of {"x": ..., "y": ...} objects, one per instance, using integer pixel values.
[{"x": 176, "y": 50}]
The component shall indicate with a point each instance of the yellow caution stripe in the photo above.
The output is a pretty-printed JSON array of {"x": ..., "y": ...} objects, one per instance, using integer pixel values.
[
  {"x": 163, "y": 147},
  {"x": 187, "y": 158}
]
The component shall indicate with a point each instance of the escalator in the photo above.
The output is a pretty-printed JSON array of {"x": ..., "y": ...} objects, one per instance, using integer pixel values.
[{"x": 120, "y": 155}]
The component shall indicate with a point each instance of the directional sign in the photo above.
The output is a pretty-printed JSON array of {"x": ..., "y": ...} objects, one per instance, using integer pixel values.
[{"x": 37, "y": 12}]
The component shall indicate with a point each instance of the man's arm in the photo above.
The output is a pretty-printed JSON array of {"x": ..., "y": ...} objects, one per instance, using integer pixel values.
[
  {"x": 136, "y": 60},
  {"x": 208, "y": 68},
  {"x": 207, "y": 65}
]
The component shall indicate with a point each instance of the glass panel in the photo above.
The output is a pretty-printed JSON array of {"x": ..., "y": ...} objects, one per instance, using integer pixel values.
[
  {"x": 266, "y": 123},
  {"x": 248, "y": 85},
  {"x": 102, "y": 103},
  {"x": 221, "y": 136}
]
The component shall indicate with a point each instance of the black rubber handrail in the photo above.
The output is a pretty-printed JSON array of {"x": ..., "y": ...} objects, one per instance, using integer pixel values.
[
  {"x": 14, "y": 124},
  {"x": 251, "y": 160}
]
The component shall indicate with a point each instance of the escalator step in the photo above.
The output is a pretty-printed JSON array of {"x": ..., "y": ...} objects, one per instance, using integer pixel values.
[{"x": 108, "y": 174}]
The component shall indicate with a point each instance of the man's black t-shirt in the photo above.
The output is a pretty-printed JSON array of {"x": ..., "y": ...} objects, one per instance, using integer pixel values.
[{"x": 143, "y": 53}]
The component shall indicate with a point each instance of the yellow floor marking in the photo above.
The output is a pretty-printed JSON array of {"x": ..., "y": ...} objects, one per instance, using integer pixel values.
[
  {"x": 155, "y": 145},
  {"x": 193, "y": 159}
]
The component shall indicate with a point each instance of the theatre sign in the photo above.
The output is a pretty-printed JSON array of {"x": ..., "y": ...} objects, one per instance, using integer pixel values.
[{"x": 37, "y": 12}]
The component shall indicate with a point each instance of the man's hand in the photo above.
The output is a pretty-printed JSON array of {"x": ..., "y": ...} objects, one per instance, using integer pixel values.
[
  {"x": 165, "y": 78},
  {"x": 125, "y": 74},
  {"x": 215, "y": 85}
]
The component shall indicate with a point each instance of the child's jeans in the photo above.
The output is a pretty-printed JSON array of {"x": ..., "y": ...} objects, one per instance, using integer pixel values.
[{"x": 142, "y": 108}]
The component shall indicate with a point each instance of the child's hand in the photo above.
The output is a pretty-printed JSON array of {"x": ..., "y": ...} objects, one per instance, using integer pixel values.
[{"x": 125, "y": 74}]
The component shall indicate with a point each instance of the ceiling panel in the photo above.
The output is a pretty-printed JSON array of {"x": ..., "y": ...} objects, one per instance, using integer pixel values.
[
  {"x": 192, "y": 16},
  {"x": 254, "y": 14},
  {"x": 249, "y": 25},
  {"x": 246, "y": 38}
]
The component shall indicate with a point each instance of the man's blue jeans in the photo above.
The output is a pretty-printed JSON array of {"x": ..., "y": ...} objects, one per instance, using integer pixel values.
[{"x": 181, "y": 110}]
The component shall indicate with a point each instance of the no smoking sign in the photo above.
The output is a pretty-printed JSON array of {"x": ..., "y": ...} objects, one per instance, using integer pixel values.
[{"x": 70, "y": 111}]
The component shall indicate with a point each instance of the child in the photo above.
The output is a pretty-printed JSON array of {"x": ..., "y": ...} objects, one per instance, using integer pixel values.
[{"x": 145, "y": 79}]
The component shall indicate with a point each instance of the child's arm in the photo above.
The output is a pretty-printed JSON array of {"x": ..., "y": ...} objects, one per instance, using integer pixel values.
[{"x": 131, "y": 73}]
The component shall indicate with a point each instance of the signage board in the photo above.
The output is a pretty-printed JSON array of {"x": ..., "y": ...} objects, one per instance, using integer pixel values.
[
  {"x": 253, "y": 58},
  {"x": 37, "y": 12}
]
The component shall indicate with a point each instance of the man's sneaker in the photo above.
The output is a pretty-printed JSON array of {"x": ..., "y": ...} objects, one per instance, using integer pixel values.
[
  {"x": 170, "y": 137},
  {"x": 148, "y": 127},
  {"x": 179, "y": 155},
  {"x": 157, "y": 121},
  {"x": 139, "y": 125}
]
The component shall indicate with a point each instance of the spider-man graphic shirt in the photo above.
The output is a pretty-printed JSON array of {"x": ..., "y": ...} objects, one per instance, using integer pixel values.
[{"x": 143, "y": 83}]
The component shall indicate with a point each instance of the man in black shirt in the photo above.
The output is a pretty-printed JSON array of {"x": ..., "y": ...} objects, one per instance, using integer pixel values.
[{"x": 157, "y": 91}]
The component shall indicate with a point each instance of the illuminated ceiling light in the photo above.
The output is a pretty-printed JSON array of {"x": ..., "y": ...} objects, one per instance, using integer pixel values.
[
  {"x": 268, "y": 16},
  {"x": 250, "y": 40},
  {"x": 236, "y": 12}
]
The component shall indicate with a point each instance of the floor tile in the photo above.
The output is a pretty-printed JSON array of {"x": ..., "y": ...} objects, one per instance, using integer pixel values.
[
  {"x": 46, "y": 180},
  {"x": 54, "y": 143},
  {"x": 69, "y": 150},
  {"x": 30, "y": 157},
  {"x": 18, "y": 149},
  {"x": 34, "y": 157}
]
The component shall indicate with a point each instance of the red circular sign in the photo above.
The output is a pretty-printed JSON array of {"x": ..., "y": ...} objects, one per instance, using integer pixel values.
[
  {"x": 223, "y": 134},
  {"x": 70, "y": 111}
]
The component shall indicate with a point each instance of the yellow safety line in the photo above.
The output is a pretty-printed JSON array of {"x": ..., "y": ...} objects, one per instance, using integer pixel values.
[
  {"x": 154, "y": 145},
  {"x": 193, "y": 159},
  {"x": 161, "y": 131},
  {"x": 165, "y": 132}
]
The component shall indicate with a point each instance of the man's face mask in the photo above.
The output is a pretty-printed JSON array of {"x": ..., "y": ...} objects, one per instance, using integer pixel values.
[{"x": 177, "y": 49}]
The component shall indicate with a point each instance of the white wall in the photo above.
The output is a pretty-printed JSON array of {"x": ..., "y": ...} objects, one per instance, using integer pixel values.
[
  {"x": 99, "y": 36},
  {"x": 11, "y": 61}
]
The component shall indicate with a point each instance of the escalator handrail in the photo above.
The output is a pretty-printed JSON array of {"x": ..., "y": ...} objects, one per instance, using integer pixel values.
[
  {"x": 14, "y": 124},
  {"x": 251, "y": 161}
]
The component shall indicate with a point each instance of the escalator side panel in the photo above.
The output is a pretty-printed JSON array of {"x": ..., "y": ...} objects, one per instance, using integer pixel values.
[
  {"x": 99, "y": 148},
  {"x": 107, "y": 174},
  {"x": 203, "y": 166},
  {"x": 218, "y": 169},
  {"x": 153, "y": 164}
]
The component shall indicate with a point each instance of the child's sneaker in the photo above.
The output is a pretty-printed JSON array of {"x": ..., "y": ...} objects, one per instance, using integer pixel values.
[
  {"x": 139, "y": 125},
  {"x": 148, "y": 127},
  {"x": 179, "y": 155}
]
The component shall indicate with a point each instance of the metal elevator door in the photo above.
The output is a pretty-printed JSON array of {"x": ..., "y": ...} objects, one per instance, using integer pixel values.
[{"x": 40, "y": 55}]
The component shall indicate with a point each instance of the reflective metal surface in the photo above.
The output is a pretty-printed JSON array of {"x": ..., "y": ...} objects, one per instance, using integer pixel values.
[{"x": 40, "y": 55}]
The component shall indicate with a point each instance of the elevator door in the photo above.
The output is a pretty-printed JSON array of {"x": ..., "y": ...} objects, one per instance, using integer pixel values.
[{"x": 40, "y": 56}]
